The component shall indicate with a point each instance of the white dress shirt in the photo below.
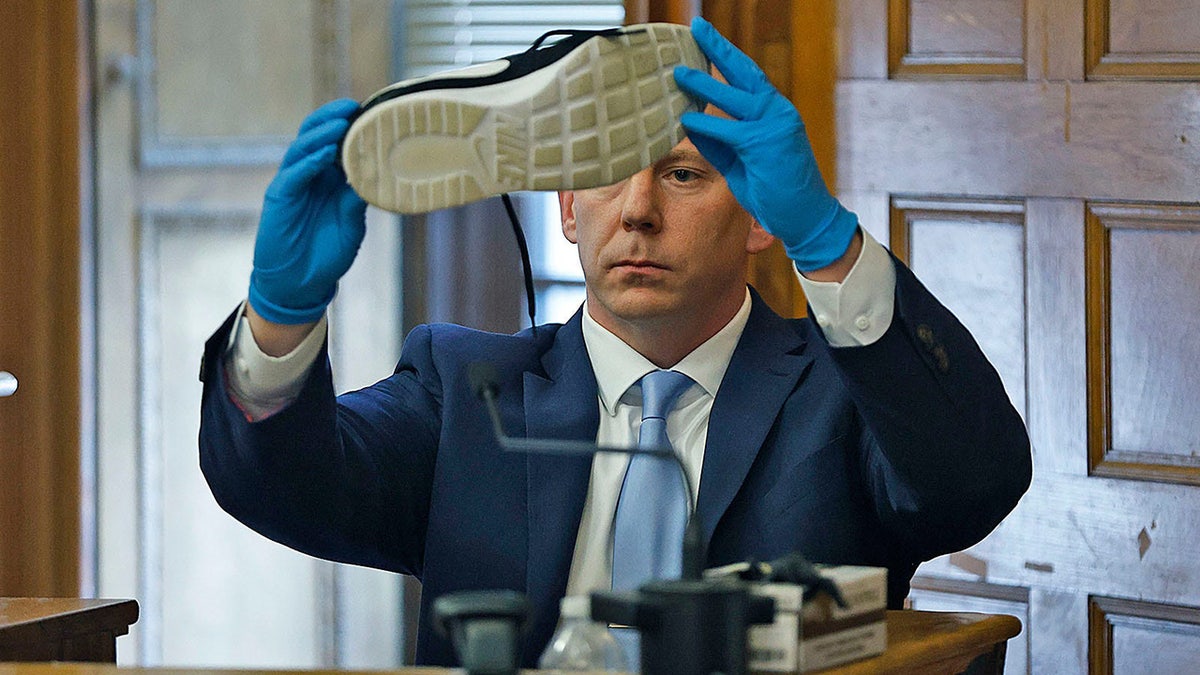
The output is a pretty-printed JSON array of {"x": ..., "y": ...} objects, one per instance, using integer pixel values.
[
  {"x": 856, "y": 311},
  {"x": 618, "y": 368}
]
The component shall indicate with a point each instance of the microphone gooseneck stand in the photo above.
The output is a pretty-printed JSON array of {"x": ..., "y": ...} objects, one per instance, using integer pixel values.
[{"x": 688, "y": 626}]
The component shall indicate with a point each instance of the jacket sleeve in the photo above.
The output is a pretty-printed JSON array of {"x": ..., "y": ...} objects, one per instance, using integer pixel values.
[
  {"x": 945, "y": 455},
  {"x": 344, "y": 478}
]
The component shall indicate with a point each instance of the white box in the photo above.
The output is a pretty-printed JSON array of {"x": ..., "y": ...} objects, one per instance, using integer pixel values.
[
  {"x": 828, "y": 635},
  {"x": 859, "y": 642}
]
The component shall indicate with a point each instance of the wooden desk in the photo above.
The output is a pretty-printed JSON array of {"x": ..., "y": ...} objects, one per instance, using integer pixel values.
[
  {"x": 928, "y": 643},
  {"x": 939, "y": 643},
  {"x": 63, "y": 629}
]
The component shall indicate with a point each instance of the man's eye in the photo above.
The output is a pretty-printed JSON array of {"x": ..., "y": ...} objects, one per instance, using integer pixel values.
[{"x": 683, "y": 175}]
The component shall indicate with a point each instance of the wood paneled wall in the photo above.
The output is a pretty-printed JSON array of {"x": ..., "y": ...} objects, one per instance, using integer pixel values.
[
  {"x": 1035, "y": 163},
  {"x": 40, "y": 184}
]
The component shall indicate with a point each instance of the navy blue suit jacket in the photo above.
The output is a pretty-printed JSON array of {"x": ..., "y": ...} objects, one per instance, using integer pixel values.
[{"x": 884, "y": 455}]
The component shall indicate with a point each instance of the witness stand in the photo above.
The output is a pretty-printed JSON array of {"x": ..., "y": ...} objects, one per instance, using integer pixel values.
[{"x": 61, "y": 629}]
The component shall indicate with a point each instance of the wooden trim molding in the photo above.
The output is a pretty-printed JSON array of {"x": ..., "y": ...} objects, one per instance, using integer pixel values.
[
  {"x": 1105, "y": 614},
  {"x": 1102, "y": 64},
  {"x": 899, "y": 231},
  {"x": 1103, "y": 458},
  {"x": 41, "y": 100},
  {"x": 905, "y": 208}
]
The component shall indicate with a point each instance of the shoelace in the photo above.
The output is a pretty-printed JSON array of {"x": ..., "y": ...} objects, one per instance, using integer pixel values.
[
  {"x": 531, "y": 299},
  {"x": 567, "y": 33},
  {"x": 527, "y": 269}
]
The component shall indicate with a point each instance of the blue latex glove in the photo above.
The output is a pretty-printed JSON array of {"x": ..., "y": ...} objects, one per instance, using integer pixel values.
[
  {"x": 312, "y": 223},
  {"x": 764, "y": 154}
]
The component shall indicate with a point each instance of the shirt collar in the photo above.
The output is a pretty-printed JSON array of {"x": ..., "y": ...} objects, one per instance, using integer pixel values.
[{"x": 618, "y": 366}]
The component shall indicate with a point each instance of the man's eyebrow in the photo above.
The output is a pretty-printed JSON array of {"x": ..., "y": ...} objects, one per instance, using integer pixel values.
[{"x": 679, "y": 155}]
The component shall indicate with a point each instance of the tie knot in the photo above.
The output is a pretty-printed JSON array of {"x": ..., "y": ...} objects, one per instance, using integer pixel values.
[{"x": 660, "y": 390}]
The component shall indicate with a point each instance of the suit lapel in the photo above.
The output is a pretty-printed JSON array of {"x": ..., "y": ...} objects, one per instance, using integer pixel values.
[
  {"x": 559, "y": 404},
  {"x": 765, "y": 368}
]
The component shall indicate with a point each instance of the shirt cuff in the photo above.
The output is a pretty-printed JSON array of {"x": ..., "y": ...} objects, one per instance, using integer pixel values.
[
  {"x": 858, "y": 310},
  {"x": 262, "y": 385}
]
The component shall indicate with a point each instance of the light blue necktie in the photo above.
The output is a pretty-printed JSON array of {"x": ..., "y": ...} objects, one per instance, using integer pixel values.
[{"x": 652, "y": 510}]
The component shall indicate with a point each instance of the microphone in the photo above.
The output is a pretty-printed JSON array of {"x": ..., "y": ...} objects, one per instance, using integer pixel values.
[{"x": 484, "y": 383}]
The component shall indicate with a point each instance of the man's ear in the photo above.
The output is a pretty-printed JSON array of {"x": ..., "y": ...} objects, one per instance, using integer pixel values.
[
  {"x": 758, "y": 239},
  {"x": 566, "y": 206}
]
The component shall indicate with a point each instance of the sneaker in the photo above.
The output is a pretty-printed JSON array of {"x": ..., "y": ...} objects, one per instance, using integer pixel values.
[{"x": 588, "y": 110}]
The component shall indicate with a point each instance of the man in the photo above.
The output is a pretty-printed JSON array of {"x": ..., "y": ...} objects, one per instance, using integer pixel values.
[{"x": 877, "y": 435}]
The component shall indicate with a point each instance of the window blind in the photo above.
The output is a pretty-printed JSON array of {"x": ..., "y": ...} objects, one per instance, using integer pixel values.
[{"x": 445, "y": 34}]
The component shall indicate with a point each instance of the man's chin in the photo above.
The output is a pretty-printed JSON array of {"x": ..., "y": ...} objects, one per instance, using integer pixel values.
[{"x": 642, "y": 304}]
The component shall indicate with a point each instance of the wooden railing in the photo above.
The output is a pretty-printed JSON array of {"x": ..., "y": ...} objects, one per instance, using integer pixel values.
[{"x": 63, "y": 629}]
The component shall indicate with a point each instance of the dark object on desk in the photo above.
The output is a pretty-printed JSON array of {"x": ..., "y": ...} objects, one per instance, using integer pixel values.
[
  {"x": 688, "y": 627},
  {"x": 485, "y": 628},
  {"x": 790, "y": 569},
  {"x": 63, "y": 629}
]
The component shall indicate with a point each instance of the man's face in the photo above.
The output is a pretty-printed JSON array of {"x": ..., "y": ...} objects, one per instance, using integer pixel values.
[{"x": 668, "y": 244}]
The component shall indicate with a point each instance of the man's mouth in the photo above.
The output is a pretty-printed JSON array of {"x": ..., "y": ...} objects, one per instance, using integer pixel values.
[{"x": 638, "y": 264}]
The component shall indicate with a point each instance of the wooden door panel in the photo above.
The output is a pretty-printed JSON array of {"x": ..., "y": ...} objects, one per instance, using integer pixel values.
[
  {"x": 1084, "y": 295},
  {"x": 1152, "y": 26},
  {"x": 956, "y": 38},
  {"x": 1142, "y": 39},
  {"x": 1139, "y": 637},
  {"x": 952, "y": 28},
  {"x": 1143, "y": 308}
]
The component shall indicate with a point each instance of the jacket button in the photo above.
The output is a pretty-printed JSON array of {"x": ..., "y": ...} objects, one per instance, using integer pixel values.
[
  {"x": 925, "y": 335},
  {"x": 942, "y": 358}
]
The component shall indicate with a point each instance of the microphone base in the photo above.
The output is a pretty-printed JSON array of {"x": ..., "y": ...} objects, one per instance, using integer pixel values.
[{"x": 688, "y": 627}]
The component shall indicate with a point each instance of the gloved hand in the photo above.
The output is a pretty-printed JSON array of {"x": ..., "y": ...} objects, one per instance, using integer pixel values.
[
  {"x": 764, "y": 154},
  {"x": 311, "y": 226}
]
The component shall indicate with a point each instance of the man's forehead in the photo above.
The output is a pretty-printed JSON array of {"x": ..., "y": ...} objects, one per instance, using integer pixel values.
[{"x": 684, "y": 151}]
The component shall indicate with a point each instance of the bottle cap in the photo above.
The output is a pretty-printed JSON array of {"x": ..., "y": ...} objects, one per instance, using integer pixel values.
[{"x": 576, "y": 607}]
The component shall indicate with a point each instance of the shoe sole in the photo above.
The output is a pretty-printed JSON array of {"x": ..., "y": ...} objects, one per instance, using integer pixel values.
[{"x": 600, "y": 114}]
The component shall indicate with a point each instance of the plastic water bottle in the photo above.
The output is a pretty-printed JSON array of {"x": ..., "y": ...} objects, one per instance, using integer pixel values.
[{"x": 580, "y": 643}]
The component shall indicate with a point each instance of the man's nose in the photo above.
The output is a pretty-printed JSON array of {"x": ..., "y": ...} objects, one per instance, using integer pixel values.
[{"x": 639, "y": 209}]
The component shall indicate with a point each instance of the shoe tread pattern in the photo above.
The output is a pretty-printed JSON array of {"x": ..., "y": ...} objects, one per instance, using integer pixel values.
[{"x": 605, "y": 114}]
